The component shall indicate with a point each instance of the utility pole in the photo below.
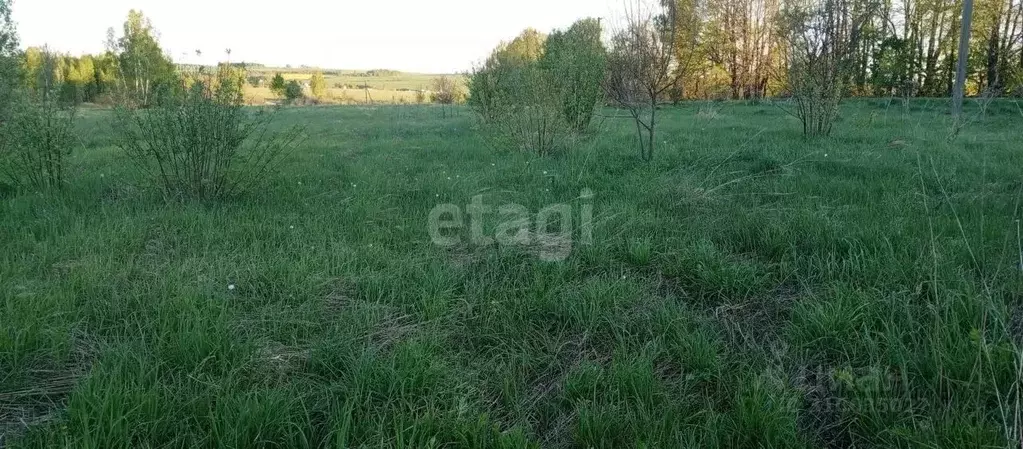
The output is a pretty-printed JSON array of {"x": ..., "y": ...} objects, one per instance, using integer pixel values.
[{"x": 964, "y": 55}]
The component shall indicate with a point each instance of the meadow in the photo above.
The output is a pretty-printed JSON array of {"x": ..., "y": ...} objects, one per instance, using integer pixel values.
[{"x": 746, "y": 288}]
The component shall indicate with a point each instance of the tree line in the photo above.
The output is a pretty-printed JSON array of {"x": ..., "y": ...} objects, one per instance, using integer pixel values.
[
  {"x": 739, "y": 48},
  {"x": 538, "y": 91},
  {"x": 734, "y": 49}
]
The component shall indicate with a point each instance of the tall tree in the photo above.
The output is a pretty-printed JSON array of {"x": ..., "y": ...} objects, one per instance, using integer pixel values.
[
  {"x": 527, "y": 46},
  {"x": 742, "y": 42},
  {"x": 8, "y": 57},
  {"x": 641, "y": 62},
  {"x": 964, "y": 51},
  {"x": 143, "y": 66}
]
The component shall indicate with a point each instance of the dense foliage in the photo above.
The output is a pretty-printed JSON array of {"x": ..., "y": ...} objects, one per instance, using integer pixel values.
[
  {"x": 37, "y": 132},
  {"x": 577, "y": 58},
  {"x": 536, "y": 90}
]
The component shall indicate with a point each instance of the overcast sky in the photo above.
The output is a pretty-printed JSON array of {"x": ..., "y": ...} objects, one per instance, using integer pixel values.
[{"x": 430, "y": 36}]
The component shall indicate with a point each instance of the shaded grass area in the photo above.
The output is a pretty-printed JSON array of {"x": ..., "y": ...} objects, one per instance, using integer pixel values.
[{"x": 747, "y": 288}]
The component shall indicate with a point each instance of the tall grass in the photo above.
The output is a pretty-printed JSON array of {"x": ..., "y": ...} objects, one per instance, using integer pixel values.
[{"x": 747, "y": 288}]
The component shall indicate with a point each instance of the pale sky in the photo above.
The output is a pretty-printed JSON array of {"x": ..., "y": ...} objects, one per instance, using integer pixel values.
[{"x": 428, "y": 36}]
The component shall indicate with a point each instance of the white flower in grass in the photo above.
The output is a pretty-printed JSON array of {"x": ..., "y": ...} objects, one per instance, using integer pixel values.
[
  {"x": 230, "y": 286},
  {"x": 291, "y": 227}
]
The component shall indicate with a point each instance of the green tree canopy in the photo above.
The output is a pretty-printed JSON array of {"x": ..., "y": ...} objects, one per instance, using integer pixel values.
[
  {"x": 277, "y": 85},
  {"x": 292, "y": 90},
  {"x": 144, "y": 67},
  {"x": 526, "y": 48},
  {"x": 8, "y": 33}
]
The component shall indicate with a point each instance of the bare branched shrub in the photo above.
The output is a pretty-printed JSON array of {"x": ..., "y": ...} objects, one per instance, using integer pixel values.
[
  {"x": 37, "y": 133},
  {"x": 446, "y": 90},
  {"x": 202, "y": 143},
  {"x": 643, "y": 65},
  {"x": 821, "y": 36},
  {"x": 983, "y": 101}
]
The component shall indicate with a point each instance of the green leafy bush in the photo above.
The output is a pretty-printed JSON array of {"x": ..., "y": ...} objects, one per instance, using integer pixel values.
[
  {"x": 535, "y": 91},
  {"x": 278, "y": 85},
  {"x": 202, "y": 143},
  {"x": 37, "y": 133},
  {"x": 576, "y": 60},
  {"x": 518, "y": 100},
  {"x": 293, "y": 91}
]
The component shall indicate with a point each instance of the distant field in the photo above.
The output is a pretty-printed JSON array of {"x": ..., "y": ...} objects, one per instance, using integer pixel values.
[
  {"x": 386, "y": 89},
  {"x": 747, "y": 288},
  {"x": 260, "y": 95}
]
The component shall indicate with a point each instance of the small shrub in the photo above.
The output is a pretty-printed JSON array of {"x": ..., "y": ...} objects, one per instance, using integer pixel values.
[
  {"x": 318, "y": 85},
  {"x": 536, "y": 121},
  {"x": 445, "y": 91},
  {"x": 38, "y": 133},
  {"x": 277, "y": 85},
  {"x": 202, "y": 143},
  {"x": 532, "y": 118},
  {"x": 818, "y": 63},
  {"x": 293, "y": 91}
]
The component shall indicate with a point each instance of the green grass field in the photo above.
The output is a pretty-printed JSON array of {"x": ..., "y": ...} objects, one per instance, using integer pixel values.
[{"x": 747, "y": 288}]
